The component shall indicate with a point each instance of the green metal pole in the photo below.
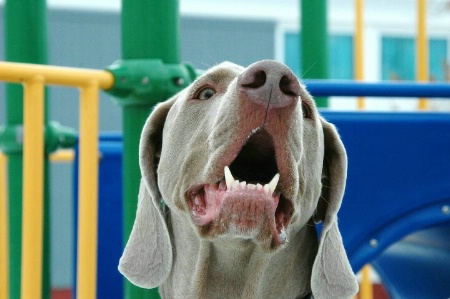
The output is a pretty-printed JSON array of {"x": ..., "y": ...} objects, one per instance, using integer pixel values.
[
  {"x": 314, "y": 42},
  {"x": 149, "y": 31},
  {"x": 25, "y": 41}
]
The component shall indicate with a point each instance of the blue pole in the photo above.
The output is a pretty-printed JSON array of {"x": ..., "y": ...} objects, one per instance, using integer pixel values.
[{"x": 354, "y": 89}]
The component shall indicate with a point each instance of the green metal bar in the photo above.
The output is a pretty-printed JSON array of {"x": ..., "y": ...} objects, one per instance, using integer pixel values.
[
  {"x": 314, "y": 42},
  {"x": 25, "y": 41},
  {"x": 149, "y": 30}
]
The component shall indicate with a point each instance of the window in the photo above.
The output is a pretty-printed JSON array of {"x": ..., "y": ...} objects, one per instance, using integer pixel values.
[
  {"x": 398, "y": 58},
  {"x": 340, "y": 55}
]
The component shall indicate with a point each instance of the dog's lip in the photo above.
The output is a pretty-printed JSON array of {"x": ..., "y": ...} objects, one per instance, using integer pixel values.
[{"x": 205, "y": 202}]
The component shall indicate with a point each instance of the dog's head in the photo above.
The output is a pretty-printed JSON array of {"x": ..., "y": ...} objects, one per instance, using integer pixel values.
[{"x": 240, "y": 153}]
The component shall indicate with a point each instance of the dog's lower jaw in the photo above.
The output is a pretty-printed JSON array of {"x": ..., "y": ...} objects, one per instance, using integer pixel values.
[
  {"x": 242, "y": 212},
  {"x": 237, "y": 268}
]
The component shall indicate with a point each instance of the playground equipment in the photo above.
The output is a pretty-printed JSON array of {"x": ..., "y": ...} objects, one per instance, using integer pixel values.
[
  {"x": 33, "y": 77},
  {"x": 89, "y": 81},
  {"x": 138, "y": 97},
  {"x": 314, "y": 43},
  {"x": 422, "y": 59},
  {"x": 4, "y": 236}
]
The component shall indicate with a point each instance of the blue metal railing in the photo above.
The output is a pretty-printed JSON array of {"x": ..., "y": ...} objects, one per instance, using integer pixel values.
[{"x": 379, "y": 89}]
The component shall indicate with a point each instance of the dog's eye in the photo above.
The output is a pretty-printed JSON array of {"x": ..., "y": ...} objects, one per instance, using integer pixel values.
[{"x": 205, "y": 93}]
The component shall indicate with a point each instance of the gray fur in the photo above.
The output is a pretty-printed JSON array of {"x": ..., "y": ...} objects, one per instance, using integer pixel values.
[{"x": 186, "y": 143}]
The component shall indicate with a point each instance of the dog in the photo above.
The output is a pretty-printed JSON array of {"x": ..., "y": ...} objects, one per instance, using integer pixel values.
[{"x": 236, "y": 170}]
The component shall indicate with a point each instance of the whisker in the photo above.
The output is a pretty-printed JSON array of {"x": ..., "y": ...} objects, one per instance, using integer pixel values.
[{"x": 303, "y": 76}]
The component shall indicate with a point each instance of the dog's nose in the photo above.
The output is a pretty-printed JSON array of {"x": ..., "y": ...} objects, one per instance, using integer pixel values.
[{"x": 270, "y": 84}]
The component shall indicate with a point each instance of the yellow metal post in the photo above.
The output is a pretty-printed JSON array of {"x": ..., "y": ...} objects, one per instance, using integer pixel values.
[
  {"x": 4, "y": 236},
  {"x": 33, "y": 191},
  {"x": 359, "y": 47},
  {"x": 422, "y": 48},
  {"x": 366, "y": 289},
  {"x": 88, "y": 185}
]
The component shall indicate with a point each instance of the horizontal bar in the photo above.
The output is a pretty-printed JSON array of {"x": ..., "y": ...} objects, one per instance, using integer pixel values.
[
  {"x": 62, "y": 156},
  {"x": 75, "y": 77},
  {"x": 383, "y": 89}
]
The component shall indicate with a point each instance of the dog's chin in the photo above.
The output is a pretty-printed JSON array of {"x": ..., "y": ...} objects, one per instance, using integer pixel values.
[{"x": 245, "y": 211}]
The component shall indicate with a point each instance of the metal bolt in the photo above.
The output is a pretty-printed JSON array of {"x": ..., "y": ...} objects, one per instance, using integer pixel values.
[
  {"x": 374, "y": 243},
  {"x": 145, "y": 80},
  {"x": 446, "y": 210},
  {"x": 179, "y": 81}
]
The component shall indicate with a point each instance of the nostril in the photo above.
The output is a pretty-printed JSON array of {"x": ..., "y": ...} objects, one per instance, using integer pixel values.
[
  {"x": 287, "y": 86},
  {"x": 258, "y": 80}
]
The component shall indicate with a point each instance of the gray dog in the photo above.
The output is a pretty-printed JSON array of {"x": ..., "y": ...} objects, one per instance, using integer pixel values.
[{"x": 245, "y": 166}]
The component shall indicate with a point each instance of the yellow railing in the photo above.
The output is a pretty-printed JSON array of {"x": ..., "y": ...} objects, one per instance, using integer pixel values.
[{"x": 34, "y": 78}]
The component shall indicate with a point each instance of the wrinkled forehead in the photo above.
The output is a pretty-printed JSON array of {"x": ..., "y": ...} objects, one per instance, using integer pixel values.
[{"x": 220, "y": 74}]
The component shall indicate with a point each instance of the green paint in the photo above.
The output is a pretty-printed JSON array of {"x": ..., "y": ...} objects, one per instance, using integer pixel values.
[
  {"x": 149, "y": 31},
  {"x": 314, "y": 42},
  {"x": 25, "y": 41}
]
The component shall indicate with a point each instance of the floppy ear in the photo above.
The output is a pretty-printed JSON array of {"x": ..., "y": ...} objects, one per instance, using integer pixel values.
[
  {"x": 147, "y": 258},
  {"x": 332, "y": 276}
]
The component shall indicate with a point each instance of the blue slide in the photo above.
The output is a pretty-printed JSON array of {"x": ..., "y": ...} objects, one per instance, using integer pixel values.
[{"x": 396, "y": 208}]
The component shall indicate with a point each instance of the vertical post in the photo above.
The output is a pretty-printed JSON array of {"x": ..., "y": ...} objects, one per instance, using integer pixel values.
[
  {"x": 88, "y": 190},
  {"x": 33, "y": 191},
  {"x": 149, "y": 31},
  {"x": 422, "y": 48},
  {"x": 4, "y": 236},
  {"x": 358, "y": 46},
  {"x": 314, "y": 42},
  {"x": 366, "y": 289},
  {"x": 25, "y": 41}
]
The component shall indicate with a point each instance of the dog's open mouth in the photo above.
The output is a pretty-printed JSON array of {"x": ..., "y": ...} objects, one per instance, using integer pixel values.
[{"x": 247, "y": 200}]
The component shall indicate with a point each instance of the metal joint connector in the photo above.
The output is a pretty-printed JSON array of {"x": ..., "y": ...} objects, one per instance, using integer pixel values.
[
  {"x": 56, "y": 137},
  {"x": 148, "y": 81}
]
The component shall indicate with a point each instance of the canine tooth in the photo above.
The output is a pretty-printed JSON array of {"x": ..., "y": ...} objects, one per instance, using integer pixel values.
[
  {"x": 228, "y": 177},
  {"x": 273, "y": 183}
]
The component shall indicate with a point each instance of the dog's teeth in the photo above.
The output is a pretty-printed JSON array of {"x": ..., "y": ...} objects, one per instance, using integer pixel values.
[
  {"x": 243, "y": 184},
  {"x": 266, "y": 188},
  {"x": 228, "y": 177},
  {"x": 259, "y": 186},
  {"x": 196, "y": 201},
  {"x": 251, "y": 186},
  {"x": 235, "y": 184},
  {"x": 273, "y": 183}
]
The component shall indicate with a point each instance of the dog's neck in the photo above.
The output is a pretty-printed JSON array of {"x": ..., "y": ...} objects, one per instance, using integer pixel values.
[{"x": 238, "y": 268}]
